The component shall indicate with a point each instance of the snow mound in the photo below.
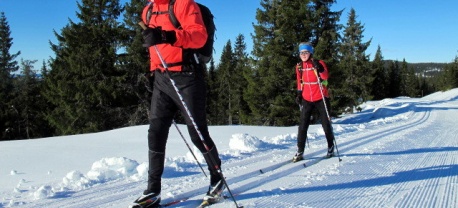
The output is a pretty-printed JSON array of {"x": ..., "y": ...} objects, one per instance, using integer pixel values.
[
  {"x": 244, "y": 143},
  {"x": 108, "y": 169}
]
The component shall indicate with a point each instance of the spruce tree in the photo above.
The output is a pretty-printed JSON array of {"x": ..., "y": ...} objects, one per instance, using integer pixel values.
[
  {"x": 380, "y": 82},
  {"x": 326, "y": 33},
  {"x": 84, "y": 82},
  {"x": 212, "y": 94},
  {"x": 8, "y": 66},
  {"x": 354, "y": 65},
  {"x": 28, "y": 104},
  {"x": 135, "y": 62},
  {"x": 242, "y": 66},
  {"x": 225, "y": 86},
  {"x": 413, "y": 83},
  {"x": 394, "y": 77},
  {"x": 403, "y": 75},
  {"x": 448, "y": 78}
]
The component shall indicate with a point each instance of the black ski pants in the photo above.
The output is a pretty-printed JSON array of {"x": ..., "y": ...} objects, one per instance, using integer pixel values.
[
  {"x": 165, "y": 103},
  {"x": 306, "y": 112}
]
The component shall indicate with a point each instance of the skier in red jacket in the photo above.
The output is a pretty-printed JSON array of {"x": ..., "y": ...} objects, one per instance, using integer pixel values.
[
  {"x": 310, "y": 73},
  {"x": 175, "y": 46}
]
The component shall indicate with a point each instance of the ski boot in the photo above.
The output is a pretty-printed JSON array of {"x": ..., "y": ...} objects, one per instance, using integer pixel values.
[
  {"x": 150, "y": 200},
  {"x": 298, "y": 157}
]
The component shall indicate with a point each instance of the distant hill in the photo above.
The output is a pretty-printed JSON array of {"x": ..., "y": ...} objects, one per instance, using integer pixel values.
[{"x": 428, "y": 69}]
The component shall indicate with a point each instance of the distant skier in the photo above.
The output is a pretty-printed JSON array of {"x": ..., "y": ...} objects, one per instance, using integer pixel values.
[{"x": 309, "y": 96}]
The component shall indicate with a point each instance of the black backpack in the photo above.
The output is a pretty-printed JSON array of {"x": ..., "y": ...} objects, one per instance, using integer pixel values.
[{"x": 206, "y": 52}]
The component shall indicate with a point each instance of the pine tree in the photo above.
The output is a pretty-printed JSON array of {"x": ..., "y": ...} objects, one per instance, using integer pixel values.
[
  {"x": 8, "y": 66},
  {"x": 242, "y": 67},
  {"x": 448, "y": 79},
  {"x": 413, "y": 83},
  {"x": 403, "y": 75},
  {"x": 83, "y": 83},
  {"x": 394, "y": 77},
  {"x": 379, "y": 85},
  {"x": 212, "y": 95},
  {"x": 28, "y": 104},
  {"x": 326, "y": 37},
  {"x": 136, "y": 64},
  {"x": 354, "y": 65},
  {"x": 224, "y": 85}
]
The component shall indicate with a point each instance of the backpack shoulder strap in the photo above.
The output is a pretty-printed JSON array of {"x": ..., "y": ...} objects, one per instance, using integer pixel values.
[
  {"x": 172, "y": 16},
  {"x": 173, "y": 19}
]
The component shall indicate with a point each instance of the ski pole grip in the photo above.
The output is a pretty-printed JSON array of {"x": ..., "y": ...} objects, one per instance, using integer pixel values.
[{"x": 142, "y": 24}]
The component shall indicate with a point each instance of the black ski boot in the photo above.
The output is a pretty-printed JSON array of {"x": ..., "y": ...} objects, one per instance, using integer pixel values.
[
  {"x": 298, "y": 157},
  {"x": 150, "y": 200},
  {"x": 330, "y": 152}
]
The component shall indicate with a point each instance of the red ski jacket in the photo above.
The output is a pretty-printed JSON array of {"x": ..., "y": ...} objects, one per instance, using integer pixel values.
[
  {"x": 191, "y": 35},
  {"x": 307, "y": 81}
]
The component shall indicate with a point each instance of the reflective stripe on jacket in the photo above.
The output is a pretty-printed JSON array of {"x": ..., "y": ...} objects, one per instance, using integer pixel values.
[
  {"x": 309, "y": 82},
  {"x": 191, "y": 35}
]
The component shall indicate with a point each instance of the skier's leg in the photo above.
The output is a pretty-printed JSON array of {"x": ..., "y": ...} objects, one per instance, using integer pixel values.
[
  {"x": 304, "y": 123},
  {"x": 162, "y": 112},
  {"x": 326, "y": 123}
]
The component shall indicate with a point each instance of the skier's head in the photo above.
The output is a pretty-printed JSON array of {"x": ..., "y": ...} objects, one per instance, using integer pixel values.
[
  {"x": 306, "y": 46},
  {"x": 305, "y": 51}
]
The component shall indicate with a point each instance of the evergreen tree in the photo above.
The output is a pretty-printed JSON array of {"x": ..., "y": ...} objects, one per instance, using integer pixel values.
[
  {"x": 379, "y": 85},
  {"x": 8, "y": 66},
  {"x": 240, "y": 109},
  {"x": 354, "y": 65},
  {"x": 448, "y": 79},
  {"x": 212, "y": 94},
  {"x": 225, "y": 86},
  {"x": 83, "y": 83},
  {"x": 403, "y": 75},
  {"x": 409, "y": 81},
  {"x": 413, "y": 83},
  {"x": 394, "y": 80},
  {"x": 136, "y": 64},
  {"x": 28, "y": 104}
]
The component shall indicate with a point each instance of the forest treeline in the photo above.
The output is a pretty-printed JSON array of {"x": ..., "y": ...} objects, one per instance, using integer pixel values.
[{"x": 95, "y": 81}]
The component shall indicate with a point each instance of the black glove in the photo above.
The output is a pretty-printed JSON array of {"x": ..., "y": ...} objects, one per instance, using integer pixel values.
[
  {"x": 149, "y": 83},
  {"x": 299, "y": 98},
  {"x": 318, "y": 66},
  {"x": 154, "y": 36}
]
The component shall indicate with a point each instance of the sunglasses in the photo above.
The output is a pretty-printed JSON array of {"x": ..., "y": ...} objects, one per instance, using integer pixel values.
[{"x": 304, "y": 53}]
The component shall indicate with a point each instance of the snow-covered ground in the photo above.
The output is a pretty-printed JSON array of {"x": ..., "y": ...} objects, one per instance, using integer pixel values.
[{"x": 399, "y": 152}]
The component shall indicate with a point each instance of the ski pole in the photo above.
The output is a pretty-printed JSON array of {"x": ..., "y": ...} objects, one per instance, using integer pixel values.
[
  {"x": 191, "y": 118},
  {"x": 176, "y": 126},
  {"x": 327, "y": 111}
]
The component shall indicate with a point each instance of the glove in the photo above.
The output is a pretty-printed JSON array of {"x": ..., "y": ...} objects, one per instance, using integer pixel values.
[
  {"x": 299, "y": 97},
  {"x": 154, "y": 36},
  {"x": 149, "y": 83},
  {"x": 324, "y": 83},
  {"x": 318, "y": 66}
]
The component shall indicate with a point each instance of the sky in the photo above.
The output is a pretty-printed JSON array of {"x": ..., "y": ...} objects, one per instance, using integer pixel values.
[
  {"x": 414, "y": 30},
  {"x": 400, "y": 152}
]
